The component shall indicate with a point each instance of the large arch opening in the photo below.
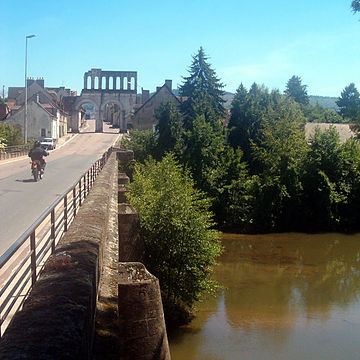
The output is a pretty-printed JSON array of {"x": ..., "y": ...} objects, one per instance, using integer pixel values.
[
  {"x": 88, "y": 116},
  {"x": 112, "y": 114}
]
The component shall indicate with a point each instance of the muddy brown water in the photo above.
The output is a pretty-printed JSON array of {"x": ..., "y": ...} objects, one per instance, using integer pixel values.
[{"x": 287, "y": 296}]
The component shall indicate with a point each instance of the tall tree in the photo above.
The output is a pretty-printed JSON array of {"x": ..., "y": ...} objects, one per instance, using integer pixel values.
[
  {"x": 355, "y": 5},
  {"x": 278, "y": 157},
  {"x": 169, "y": 129},
  {"x": 349, "y": 103},
  {"x": 203, "y": 91},
  {"x": 247, "y": 113},
  {"x": 297, "y": 91}
]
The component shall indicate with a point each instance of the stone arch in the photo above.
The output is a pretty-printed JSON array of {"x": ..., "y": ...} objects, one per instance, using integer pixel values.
[
  {"x": 89, "y": 100},
  {"x": 117, "y": 117}
]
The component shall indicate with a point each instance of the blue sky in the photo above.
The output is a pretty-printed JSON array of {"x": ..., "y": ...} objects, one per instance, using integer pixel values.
[{"x": 247, "y": 41}]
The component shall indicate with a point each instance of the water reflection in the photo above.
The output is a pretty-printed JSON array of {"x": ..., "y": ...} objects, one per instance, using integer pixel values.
[{"x": 286, "y": 294}]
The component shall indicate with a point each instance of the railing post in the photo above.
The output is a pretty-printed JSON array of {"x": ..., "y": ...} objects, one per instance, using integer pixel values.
[
  {"x": 74, "y": 201},
  {"x": 84, "y": 186},
  {"x": 52, "y": 235},
  {"x": 88, "y": 181},
  {"x": 80, "y": 192},
  {"x": 33, "y": 258},
  {"x": 65, "y": 214}
]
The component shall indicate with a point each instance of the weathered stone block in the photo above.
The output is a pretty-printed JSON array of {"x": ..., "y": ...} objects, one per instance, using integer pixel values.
[
  {"x": 131, "y": 245},
  {"x": 124, "y": 156},
  {"x": 123, "y": 179},
  {"x": 143, "y": 334},
  {"x": 122, "y": 191}
]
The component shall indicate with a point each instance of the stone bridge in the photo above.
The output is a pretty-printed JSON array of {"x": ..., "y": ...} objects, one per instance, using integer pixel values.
[
  {"x": 102, "y": 88},
  {"x": 94, "y": 283}
]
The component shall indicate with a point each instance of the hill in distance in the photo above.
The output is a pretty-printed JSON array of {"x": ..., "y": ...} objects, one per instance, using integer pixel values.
[{"x": 325, "y": 101}]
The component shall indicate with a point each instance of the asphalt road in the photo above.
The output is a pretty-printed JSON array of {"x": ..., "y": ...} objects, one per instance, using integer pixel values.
[{"x": 22, "y": 200}]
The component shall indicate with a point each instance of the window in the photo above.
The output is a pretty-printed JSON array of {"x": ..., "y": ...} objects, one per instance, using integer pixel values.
[{"x": 43, "y": 132}]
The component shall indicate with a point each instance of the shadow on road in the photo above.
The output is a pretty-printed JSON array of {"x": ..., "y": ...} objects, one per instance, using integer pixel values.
[{"x": 26, "y": 180}]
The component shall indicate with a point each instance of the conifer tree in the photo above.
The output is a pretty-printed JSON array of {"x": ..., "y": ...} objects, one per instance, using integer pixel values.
[
  {"x": 297, "y": 91},
  {"x": 355, "y": 5},
  {"x": 203, "y": 91},
  {"x": 349, "y": 103}
]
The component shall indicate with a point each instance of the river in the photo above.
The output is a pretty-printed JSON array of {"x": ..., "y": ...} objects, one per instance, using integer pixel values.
[{"x": 286, "y": 296}]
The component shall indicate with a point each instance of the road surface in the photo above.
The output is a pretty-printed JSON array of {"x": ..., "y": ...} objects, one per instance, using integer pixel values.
[{"x": 22, "y": 200}]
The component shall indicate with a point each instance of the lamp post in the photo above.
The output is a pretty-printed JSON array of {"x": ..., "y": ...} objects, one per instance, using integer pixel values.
[{"x": 25, "y": 116}]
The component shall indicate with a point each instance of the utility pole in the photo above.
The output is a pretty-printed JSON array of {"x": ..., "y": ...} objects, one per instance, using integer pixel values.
[{"x": 25, "y": 116}]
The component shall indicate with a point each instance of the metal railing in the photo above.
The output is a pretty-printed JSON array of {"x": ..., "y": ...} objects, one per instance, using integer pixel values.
[
  {"x": 21, "y": 264},
  {"x": 10, "y": 152}
]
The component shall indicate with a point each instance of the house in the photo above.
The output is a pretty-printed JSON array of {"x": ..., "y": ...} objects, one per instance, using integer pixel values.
[
  {"x": 144, "y": 113},
  {"x": 46, "y": 116},
  {"x": 43, "y": 120}
]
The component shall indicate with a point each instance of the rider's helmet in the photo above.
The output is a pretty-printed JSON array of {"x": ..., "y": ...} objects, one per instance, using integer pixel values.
[{"x": 37, "y": 143}]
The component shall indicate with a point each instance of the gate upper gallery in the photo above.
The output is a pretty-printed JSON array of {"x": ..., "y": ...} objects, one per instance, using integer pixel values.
[{"x": 106, "y": 87}]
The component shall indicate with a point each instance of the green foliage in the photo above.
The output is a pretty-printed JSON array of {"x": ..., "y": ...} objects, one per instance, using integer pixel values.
[
  {"x": 320, "y": 114},
  {"x": 181, "y": 246},
  {"x": 349, "y": 103},
  {"x": 142, "y": 142},
  {"x": 278, "y": 157},
  {"x": 169, "y": 129},
  {"x": 203, "y": 91},
  {"x": 247, "y": 113},
  {"x": 260, "y": 174},
  {"x": 297, "y": 91},
  {"x": 2, "y": 144},
  {"x": 10, "y": 134},
  {"x": 330, "y": 182}
]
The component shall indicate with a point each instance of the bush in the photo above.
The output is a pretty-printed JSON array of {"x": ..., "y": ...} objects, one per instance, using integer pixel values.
[
  {"x": 10, "y": 134},
  {"x": 142, "y": 142},
  {"x": 180, "y": 244}
]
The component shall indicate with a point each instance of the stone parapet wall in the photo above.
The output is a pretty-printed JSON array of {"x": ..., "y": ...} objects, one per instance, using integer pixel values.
[{"x": 57, "y": 319}]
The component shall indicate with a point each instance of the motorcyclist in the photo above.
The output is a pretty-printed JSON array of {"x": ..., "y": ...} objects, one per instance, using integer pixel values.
[{"x": 37, "y": 153}]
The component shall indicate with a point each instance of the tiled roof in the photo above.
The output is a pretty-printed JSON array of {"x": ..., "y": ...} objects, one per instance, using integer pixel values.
[{"x": 344, "y": 130}]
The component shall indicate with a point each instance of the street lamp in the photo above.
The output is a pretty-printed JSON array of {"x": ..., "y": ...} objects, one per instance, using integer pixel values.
[{"x": 25, "y": 116}]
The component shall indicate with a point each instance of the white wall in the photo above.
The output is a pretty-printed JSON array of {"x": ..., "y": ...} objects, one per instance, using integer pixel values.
[{"x": 38, "y": 119}]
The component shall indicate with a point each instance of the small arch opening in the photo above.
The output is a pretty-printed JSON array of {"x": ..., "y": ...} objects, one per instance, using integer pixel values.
[
  {"x": 112, "y": 114},
  {"x": 103, "y": 83},
  {"x": 132, "y": 83}
]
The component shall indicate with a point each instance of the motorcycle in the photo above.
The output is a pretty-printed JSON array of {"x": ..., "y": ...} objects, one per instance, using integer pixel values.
[{"x": 36, "y": 170}]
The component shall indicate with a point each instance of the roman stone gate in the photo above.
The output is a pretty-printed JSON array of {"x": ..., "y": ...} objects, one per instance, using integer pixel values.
[{"x": 104, "y": 88}]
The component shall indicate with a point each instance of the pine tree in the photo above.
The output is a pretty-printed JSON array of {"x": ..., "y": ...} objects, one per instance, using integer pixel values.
[
  {"x": 247, "y": 112},
  {"x": 297, "y": 91},
  {"x": 203, "y": 91},
  {"x": 349, "y": 103},
  {"x": 355, "y": 5}
]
